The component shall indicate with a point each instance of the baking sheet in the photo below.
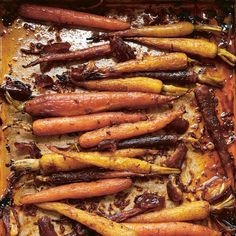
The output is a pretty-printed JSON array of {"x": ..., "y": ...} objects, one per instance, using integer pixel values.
[{"x": 199, "y": 166}]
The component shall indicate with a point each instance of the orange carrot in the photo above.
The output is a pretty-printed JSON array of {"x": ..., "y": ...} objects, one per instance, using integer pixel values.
[
  {"x": 69, "y": 17},
  {"x": 172, "y": 229},
  {"x": 73, "y": 104},
  {"x": 125, "y": 131},
  {"x": 64, "y": 125},
  {"x": 78, "y": 191}
]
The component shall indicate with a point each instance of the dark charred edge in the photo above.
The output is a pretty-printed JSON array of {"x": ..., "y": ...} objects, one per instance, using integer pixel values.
[
  {"x": 142, "y": 203},
  {"x": 180, "y": 126},
  {"x": 121, "y": 51},
  {"x": 173, "y": 190},
  {"x": 30, "y": 149},
  {"x": 149, "y": 141},
  {"x": 46, "y": 227},
  {"x": 124, "y": 215},
  {"x": 177, "y": 158},
  {"x": 206, "y": 104},
  {"x": 6, "y": 199},
  {"x": 6, "y": 220}
]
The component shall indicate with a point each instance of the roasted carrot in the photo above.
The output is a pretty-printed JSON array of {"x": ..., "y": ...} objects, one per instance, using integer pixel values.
[
  {"x": 188, "y": 211},
  {"x": 69, "y": 17},
  {"x": 205, "y": 102},
  {"x": 135, "y": 84},
  {"x": 129, "y": 130},
  {"x": 73, "y": 104},
  {"x": 169, "y": 30},
  {"x": 118, "y": 163},
  {"x": 100, "y": 224},
  {"x": 171, "y": 229},
  {"x": 168, "y": 62},
  {"x": 82, "y": 54},
  {"x": 55, "y": 126},
  {"x": 78, "y": 191},
  {"x": 50, "y": 163},
  {"x": 86, "y": 176},
  {"x": 149, "y": 141},
  {"x": 197, "y": 47}
]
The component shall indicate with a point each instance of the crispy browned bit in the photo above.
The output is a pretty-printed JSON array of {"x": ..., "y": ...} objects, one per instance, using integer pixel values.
[
  {"x": 149, "y": 200},
  {"x": 177, "y": 158},
  {"x": 120, "y": 50},
  {"x": 216, "y": 189},
  {"x": 49, "y": 48},
  {"x": 212, "y": 124},
  {"x": 56, "y": 48},
  {"x": 144, "y": 202},
  {"x": 16, "y": 89},
  {"x": 180, "y": 126},
  {"x": 30, "y": 149},
  {"x": 44, "y": 81},
  {"x": 174, "y": 192},
  {"x": 11, "y": 223},
  {"x": 46, "y": 227}
]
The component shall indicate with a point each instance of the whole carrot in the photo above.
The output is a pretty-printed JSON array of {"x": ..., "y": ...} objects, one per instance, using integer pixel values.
[
  {"x": 168, "y": 30},
  {"x": 120, "y": 163},
  {"x": 64, "y": 125},
  {"x": 82, "y": 54},
  {"x": 172, "y": 229},
  {"x": 125, "y": 131},
  {"x": 169, "y": 61},
  {"x": 52, "y": 162},
  {"x": 133, "y": 84},
  {"x": 205, "y": 102},
  {"x": 187, "y": 211},
  {"x": 78, "y": 191},
  {"x": 99, "y": 224},
  {"x": 73, "y": 104},
  {"x": 198, "y": 47},
  {"x": 69, "y": 17}
]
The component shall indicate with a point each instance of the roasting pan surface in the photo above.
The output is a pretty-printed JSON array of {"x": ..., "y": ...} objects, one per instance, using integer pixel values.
[{"x": 199, "y": 167}]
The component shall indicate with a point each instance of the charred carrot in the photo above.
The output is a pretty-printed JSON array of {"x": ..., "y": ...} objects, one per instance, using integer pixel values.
[
  {"x": 55, "y": 126},
  {"x": 83, "y": 54},
  {"x": 118, "y": 163},
  {"x": 49, "y": 163},
  {"x": 197, "y": 47},
  {"x": 125, "y": 131},
  {"x": 135, "y": 84},
  {"x": 169, "y": 30},
  {"x": 69, "y": 17},
  {"x": 149, "y": 141},
  {"x": 73, "y": 104},
  {"x": 86, "y": 176},
  {"x": 78, "y": 191},
  {"x": 189, "y": 211},
  {"x": 100, "y": 224},
  {"x": 206, "y": 104},
  {"x": 171, "y": 229}
]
